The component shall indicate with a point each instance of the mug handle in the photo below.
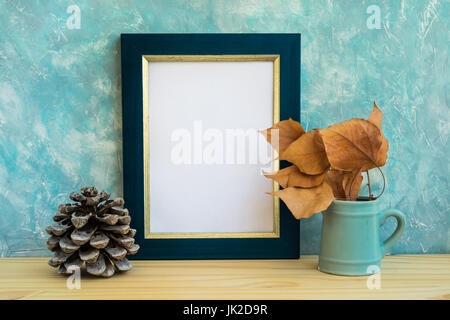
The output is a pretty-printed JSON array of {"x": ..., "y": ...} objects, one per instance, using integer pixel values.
[{"x": 400, "y": 216}]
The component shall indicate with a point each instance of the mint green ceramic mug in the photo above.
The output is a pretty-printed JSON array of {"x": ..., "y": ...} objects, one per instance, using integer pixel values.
[{"x": 351, "y": 243}]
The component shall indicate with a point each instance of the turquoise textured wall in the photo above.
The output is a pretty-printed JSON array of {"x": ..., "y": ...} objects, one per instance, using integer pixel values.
[{"x": 60, "y": 98}]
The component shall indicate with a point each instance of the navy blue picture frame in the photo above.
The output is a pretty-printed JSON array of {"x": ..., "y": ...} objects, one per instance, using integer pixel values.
[{"x": 133, "y": 47}]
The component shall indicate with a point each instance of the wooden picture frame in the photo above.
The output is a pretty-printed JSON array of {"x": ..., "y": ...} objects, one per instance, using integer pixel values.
[{"x": 168, "y": 60}]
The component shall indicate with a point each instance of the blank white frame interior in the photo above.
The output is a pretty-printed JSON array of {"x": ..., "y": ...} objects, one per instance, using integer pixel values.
[{"x": 200, "y": 180}]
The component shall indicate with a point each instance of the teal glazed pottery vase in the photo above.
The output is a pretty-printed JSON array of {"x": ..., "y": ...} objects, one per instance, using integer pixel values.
[{"x": 351, "y": 243}]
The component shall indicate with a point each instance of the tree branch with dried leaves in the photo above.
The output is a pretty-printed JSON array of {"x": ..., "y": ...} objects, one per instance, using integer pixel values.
[{"x": 327, "y": 164}]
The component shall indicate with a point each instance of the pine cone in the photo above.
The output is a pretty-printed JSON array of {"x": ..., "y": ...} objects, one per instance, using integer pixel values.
[{"x": 94, "y": 230}]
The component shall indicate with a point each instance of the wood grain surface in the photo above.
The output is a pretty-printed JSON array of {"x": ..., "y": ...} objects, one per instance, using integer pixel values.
[{"x": 402, "y": 277}]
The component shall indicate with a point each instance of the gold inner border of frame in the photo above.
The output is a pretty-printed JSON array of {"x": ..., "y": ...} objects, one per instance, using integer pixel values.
[{"x": 275, "y": 164}]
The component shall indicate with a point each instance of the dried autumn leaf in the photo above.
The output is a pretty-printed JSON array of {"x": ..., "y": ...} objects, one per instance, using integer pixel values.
[
  {"x": 303, "y": 203},
  {"x": 376, "y": 117},
  {"x": 308, "y": 154},
  {"x": 287, "y": 131},
  {"x": 334, "y": 178},
  {"x": 345, "y": 184},
  {"x": 292, "y": 177},
  {"x": 352, "y": 184},
  {"x": 353, "y": 144}
]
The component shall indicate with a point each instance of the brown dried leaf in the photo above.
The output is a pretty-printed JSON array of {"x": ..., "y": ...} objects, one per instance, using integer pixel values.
[
  {"x": 376, "y": 117},
  {"x": 292, "y": 177},
  {"x": 334, "y": 179},
  {"x": 287, "y": 131},
  {"x": 303, "y": 203},
  {"x": 345, "y": 184},
  {"x": 308, "y": 154},
  {"x": 352, "y": 184},
  {"x": 352, "y": 144}
]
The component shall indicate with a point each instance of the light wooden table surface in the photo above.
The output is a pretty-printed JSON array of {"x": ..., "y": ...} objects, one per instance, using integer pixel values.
[{"x": 402, "y": 277}]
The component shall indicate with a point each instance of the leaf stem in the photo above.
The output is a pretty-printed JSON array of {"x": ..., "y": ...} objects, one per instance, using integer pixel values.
[
  {"x": 384, "y": 184},
  {"x": 368, "y": 184}
]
